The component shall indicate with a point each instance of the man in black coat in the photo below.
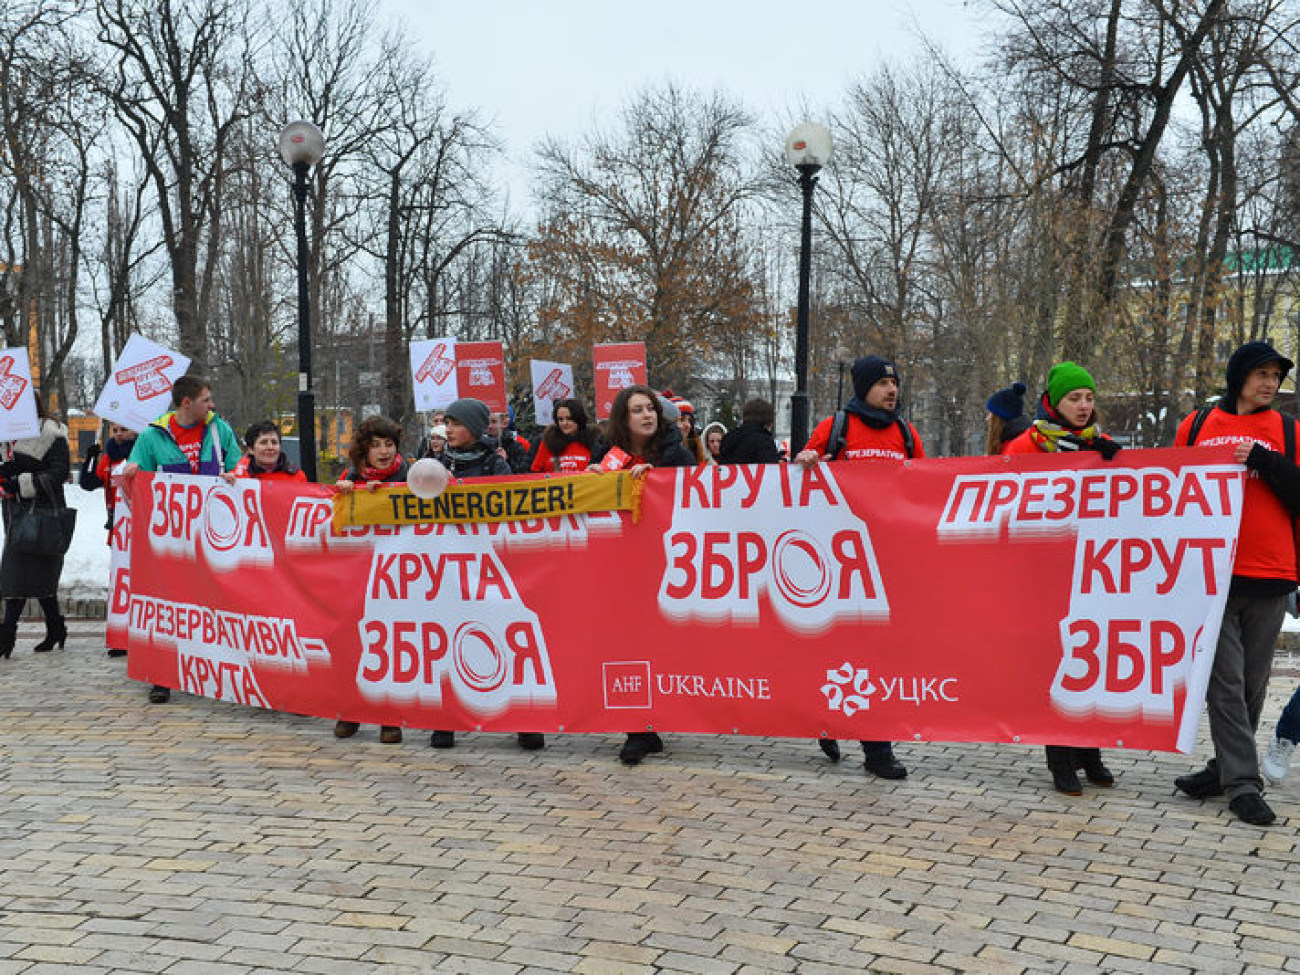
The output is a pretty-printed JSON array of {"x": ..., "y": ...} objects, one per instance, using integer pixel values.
[{"x": 751, "y": 442}]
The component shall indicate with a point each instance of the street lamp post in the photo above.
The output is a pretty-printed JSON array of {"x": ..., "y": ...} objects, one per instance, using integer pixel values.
[
  {"x": 807, "y": 149},
  {"x": 842, "y": 360},
  {"x": 302, "y": 146}
]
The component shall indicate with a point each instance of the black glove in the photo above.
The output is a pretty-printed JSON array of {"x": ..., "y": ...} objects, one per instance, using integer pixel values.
[
  {"x": 89, "y": 480},
  {"x": 1106, "y": 447}
]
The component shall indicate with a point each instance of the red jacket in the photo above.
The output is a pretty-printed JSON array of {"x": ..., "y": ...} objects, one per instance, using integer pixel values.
[
  {"x": 573, "y": 460},
  {"x": 863, "y": 442},
  {"x": 1265, "y": 544},
  {"x": 1023, "y": 444}
]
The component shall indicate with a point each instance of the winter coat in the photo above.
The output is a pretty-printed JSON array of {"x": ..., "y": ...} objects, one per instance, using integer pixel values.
[
  {"x": 518, "y": 452},
  {"x": 480, "y": 459},
  {"x": 156, "y": 449},
  {"x": 749, "y": 443},
  {"x": 33, "y": 472}
]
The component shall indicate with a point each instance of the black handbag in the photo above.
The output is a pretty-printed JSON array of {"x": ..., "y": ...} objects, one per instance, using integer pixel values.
[{"x": 37, "y": 530}]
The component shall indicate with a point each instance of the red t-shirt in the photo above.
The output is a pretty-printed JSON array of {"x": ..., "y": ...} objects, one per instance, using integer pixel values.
[
  {"x": 863, "y": 442},
  {"x": 189, "y": 439},
  {"x": 574, "y": 460},
  {"x": 1265, "y": 545}
]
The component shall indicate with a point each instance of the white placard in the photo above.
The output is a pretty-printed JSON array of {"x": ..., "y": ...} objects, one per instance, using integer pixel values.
[
  {"x": 433, "y": 373},
  {"x": 18, "y": 419},
  {"x": 138, "y": 387},
  {"x": 551, "y": 381}
]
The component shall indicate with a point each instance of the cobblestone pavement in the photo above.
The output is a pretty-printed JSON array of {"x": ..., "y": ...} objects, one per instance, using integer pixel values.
[{"x": 200, "y": 837}]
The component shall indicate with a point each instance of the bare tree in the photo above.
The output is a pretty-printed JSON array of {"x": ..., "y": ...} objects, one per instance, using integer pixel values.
[
  {"x": 642, "y": 238},
  {"x": 181, "y": 77}
]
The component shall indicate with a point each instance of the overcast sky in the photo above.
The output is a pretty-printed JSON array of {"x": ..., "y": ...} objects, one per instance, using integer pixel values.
[{"x": 554, "y": 67}]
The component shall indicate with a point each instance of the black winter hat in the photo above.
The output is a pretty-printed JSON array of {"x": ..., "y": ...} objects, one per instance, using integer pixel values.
[
  {"x": 1250, "y": 356},
  {"x": 471, "y": 412},
  {"x": 1008, "y": 403},
  {"x": 868, "y": 371}
]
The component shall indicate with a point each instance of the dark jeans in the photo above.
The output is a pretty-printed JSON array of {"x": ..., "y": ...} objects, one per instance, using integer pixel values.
[{"x": 1288, "y": 726}]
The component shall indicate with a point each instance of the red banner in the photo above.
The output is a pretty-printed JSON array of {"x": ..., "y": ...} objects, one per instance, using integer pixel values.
[
  {"x": 616, "y": 367},
  {"x": 1035, "y": 599},
  {"x": 481, "y": 373}
]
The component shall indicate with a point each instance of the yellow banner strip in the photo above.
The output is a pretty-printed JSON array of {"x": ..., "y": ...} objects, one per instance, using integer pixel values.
[{"x": 503, "y": 499}]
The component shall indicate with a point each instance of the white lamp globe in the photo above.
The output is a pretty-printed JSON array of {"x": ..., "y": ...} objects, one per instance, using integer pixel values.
[
  {"x": 808, "y": 145},
  {"x": 301, "y": 142}
]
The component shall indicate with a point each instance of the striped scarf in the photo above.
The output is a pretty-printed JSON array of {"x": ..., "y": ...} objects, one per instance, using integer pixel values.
[{"x": 1051, "y": 437}]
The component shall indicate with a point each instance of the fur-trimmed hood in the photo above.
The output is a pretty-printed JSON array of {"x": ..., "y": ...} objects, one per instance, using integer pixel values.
[{"x": 37, "y": 447}]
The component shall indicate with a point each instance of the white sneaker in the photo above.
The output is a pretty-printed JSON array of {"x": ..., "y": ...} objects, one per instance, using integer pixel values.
[{"x": 1278, "y": 759}]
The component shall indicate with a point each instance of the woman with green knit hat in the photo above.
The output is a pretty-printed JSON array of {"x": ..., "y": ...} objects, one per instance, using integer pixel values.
[{"x": 1067, "y": 420}]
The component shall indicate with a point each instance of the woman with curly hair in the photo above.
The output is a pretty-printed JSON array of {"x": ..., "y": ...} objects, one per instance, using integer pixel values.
[{"x": 375, "y": 460}]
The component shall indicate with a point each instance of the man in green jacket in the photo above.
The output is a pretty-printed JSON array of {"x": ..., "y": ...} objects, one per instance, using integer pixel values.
[{"x": 191, "y": 439}]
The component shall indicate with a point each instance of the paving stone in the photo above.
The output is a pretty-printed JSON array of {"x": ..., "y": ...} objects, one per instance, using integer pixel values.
[{"x": 205, "y": 837}]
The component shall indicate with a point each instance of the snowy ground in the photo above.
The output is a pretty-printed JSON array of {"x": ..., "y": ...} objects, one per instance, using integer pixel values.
[{"x": 85, "y": 567}]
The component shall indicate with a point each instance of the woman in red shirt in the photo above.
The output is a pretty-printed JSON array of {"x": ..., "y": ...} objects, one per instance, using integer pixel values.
[{"x": 567, "y": 443}]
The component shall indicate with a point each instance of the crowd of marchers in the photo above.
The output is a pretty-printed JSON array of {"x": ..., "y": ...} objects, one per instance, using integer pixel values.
[{"x": 648, "y": 429}]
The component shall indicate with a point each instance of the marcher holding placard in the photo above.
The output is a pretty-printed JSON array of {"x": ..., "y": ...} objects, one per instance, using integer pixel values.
[
  {"x": 1263, "y": 574},
  {"x": 1067, "y": 421},
  {"x": 869, "y": 428},
  {"x": 471, "y": 452},
  {"x": 375, "y": 459},
  {"x": 97, "y": 468},
  {"x": 640, "y": 437},
  {"x": 567, "y": 443},
  {"x": 191, "y": 439},
  {"x": 265, "y": 459},
  {"x": 31, "y": 479}
]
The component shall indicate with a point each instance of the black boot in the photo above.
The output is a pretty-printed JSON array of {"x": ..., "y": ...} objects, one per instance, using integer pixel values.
[
  {"x": 1089, "y": 759},
  {"x": 878, "y": 759},
  {"x": 1060, "y": 761},
  {"x": 56, "y": 631},
  {"x": 8, "y": 634},
  {"x": 639, "y": 744}
]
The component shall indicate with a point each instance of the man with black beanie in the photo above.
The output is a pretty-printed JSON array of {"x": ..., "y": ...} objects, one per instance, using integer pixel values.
[
  {"x": 1263, "y": 572},
  {"x": 869, "y": 428}
]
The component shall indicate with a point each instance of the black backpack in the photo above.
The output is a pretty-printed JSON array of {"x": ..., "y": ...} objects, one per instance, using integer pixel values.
[
  {"x": 840, "y": 425},
  {"x": 1288, "y": 431}
]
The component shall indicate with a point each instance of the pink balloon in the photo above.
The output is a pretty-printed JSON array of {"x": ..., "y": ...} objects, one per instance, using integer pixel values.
[{"x": 427, "y": 478}]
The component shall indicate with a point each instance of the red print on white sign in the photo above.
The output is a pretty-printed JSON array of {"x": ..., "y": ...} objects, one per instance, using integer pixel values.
[
  {"x": 11, "y": 386},
  {"x": 444, "y": 611},
  {"x": 437, "y": 366},
  {"x": 147, "y": 377},
  {"x": 817, "y": 574}
]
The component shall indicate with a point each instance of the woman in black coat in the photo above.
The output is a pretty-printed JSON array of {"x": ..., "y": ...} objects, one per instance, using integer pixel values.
[{"x": 33, "y": 472}]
